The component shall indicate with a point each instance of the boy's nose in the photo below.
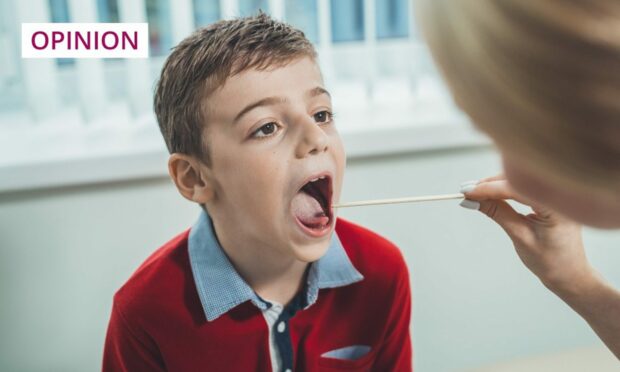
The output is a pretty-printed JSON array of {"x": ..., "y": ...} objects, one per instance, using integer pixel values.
[{"x": 313, "y": 139}]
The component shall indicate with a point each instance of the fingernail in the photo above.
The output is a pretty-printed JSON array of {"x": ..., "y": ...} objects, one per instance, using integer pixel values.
[
  {"x": 468, "y": 188},
  {"x": 470, "y": 204},
  {"x": 470, "y": 182}
]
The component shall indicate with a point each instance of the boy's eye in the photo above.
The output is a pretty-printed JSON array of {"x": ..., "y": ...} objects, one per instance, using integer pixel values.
[
  {"x": 323, "y": 116},
  {"x": 266, "y": 130}
]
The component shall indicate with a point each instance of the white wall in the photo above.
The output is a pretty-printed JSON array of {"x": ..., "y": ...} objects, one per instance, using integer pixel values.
[{"x": 64, "y": 252}]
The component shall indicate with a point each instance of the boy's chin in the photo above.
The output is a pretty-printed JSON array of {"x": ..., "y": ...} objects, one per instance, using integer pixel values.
[{"x": 311, "y": 252}]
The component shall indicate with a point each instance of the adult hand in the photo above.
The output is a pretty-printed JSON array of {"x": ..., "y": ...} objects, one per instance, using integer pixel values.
[{"x": 549, "y": 245}]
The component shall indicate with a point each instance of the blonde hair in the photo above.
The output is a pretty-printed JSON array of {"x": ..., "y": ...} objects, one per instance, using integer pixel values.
[{"x": 542, "y": 78}]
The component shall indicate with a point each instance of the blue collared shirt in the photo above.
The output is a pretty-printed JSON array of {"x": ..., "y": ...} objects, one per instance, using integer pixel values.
[{"x": 221, "y": 288}]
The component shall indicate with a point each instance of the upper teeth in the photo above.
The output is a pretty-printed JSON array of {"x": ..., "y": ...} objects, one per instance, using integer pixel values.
[{"x": 316, "y": 179}]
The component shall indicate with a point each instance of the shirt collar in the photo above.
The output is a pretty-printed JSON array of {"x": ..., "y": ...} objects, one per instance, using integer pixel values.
[{"x": 221, "y": 288}]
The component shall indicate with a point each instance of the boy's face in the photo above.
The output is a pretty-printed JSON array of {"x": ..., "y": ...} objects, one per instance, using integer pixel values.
[{"x": 270, "y": 133}]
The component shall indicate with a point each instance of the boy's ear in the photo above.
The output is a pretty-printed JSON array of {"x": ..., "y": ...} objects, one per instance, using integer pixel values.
[{"x": 191, "y": 178}]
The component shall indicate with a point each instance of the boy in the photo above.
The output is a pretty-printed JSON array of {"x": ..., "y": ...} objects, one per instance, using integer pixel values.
[{"x": 260, "y": 282}]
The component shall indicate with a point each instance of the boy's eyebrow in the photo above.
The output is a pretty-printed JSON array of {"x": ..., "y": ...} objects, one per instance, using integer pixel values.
[
  {"x": 318, "y": 91},
  {"x": 270, "y": 101}
]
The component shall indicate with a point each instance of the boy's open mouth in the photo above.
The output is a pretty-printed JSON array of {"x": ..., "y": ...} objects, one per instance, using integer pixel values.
[{"x": 312, "y": 204}]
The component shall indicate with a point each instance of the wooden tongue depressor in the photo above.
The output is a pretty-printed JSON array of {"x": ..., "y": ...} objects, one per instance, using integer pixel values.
[{"x": 411, "y": 199}]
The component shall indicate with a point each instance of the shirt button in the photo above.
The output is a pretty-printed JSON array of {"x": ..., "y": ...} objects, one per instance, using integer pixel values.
[{"x": 281, "y": 326}]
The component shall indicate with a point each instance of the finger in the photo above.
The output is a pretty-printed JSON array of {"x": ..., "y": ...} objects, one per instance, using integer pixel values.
[
  {"x": 513, "y": 223},
  {"x": 498, "y": 177},
  {"x": 487, "y": 179},
  {"x": 500, "y": 190}
]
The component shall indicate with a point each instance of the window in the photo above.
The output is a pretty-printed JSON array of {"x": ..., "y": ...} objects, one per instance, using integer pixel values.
[
  {"x": 303, "y": 15},
  {"x": 347, "y": 20},
  {"x": 206, "y": 12},
  {"x": 59, "y": 13},
  {"x": 392, "y": 19},
  {"x": 160, "y": 34},
  {"x": 107, "y": 11},
  {"x": 380, "y": 74},
  {"x": 249, "y": 7}
]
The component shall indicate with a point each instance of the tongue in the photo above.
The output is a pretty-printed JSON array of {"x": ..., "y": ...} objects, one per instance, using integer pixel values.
[{"x": 308, "y": 210}]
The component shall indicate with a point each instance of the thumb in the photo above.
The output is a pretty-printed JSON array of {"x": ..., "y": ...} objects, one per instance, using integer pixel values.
[{"x": 504, "y": 215}]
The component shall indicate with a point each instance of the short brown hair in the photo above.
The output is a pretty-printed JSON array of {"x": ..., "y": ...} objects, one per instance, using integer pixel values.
[{"x": 203, "y": 61}]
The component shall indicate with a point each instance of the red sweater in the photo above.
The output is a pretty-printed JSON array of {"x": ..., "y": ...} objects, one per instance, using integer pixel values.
[{"x": 158, "y": 323}]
